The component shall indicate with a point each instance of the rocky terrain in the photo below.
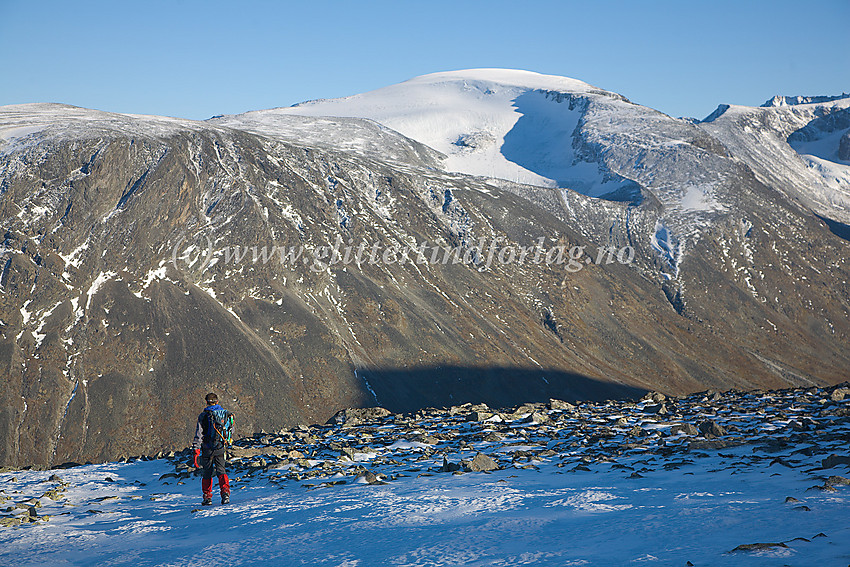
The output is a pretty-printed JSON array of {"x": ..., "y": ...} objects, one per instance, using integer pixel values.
[
  {"x": 121, "y": 304},
  {"x": 795, "y": 428},
  {"x": 714, "y": 478}
]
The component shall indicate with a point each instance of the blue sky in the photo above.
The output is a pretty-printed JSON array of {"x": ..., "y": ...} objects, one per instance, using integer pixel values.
[{"x": 195, "y": 59}]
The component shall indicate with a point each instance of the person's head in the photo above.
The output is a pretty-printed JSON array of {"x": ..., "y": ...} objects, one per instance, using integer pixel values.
[{"x": 211, "y": 399}]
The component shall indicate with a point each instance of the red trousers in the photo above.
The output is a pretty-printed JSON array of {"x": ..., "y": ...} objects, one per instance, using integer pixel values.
[{"x": 223, "y": 485}]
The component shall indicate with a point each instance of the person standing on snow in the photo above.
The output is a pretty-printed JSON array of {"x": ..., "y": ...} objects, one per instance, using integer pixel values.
[{"x": 212, "y": 436}]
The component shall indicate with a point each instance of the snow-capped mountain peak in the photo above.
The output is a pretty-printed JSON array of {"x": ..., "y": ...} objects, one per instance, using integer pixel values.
[
  {"x": 780, "y": 100},
  {"x": 495, "y": 123},
  {"x": 493, "y": 79}
]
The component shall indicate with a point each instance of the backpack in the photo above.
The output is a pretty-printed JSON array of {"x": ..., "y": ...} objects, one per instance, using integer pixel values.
[{"x": 219, "y": 428}]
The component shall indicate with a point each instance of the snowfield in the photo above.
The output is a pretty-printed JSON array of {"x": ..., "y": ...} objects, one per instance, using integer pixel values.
[
  {"x": 578, "y": 486},
  {"x": 494, "y": 123}
]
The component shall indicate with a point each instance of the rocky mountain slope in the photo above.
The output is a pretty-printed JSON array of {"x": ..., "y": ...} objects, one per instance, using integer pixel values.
[{"x": 123, "y": 297}]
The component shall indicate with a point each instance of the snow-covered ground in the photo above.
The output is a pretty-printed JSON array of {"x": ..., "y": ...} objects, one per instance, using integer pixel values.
[
  {"x": 509, "y": 517},
  {"x": 575, "y": 487}
]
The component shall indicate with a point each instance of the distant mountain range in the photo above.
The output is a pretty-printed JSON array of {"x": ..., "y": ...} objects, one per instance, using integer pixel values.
[{"x": 124, "y": 298}]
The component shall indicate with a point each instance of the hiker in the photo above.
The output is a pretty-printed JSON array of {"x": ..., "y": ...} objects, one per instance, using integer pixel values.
[{"x": 212, "y": 436}]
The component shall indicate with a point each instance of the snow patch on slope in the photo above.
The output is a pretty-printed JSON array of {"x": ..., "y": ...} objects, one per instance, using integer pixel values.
[
  {"x": 101, "y": 279},
  {"x": 668, "y": 246}
]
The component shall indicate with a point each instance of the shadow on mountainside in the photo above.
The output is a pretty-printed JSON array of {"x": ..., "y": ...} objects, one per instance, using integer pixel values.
[
  {"x": 543, "y": 141},
  {"x": 839, "y": 229},
  {"x": 405, "y": 390},
  {"x": 542, "y": 138}
]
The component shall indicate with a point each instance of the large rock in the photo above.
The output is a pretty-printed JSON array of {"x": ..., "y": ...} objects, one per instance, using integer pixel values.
[
  {"x": 537, "y": 417},
  {"x": 482, "y": 463},
  {"x": 656, "y": 397},
  {"x": 758, "y": 546},
  {"x": 686, "y": 428},
  {"x": 372, "y": 477},
  {"x": 660, "y": 409},
  {"x": 560, "y": 405},
  {"x": 711, "y": 429},
  {"x": 837, "y": 480},
  {"x": 834, "y": 461},
  {"x": 839, "y": 394},
  {"x": 480, "y": 415},
  {"x": 449, "y": 466}
]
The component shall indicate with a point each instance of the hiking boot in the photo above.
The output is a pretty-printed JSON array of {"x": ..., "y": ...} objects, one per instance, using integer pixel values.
[
  {"x": 225, "y": 499},
  {"x": 207, "y": 501}
]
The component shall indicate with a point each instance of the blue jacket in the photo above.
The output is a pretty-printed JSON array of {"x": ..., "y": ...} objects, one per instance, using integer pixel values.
[{"x": 202, "y": 438}]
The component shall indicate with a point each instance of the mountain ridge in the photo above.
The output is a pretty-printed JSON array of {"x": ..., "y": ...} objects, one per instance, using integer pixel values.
[{"x": 738, "y": 279}]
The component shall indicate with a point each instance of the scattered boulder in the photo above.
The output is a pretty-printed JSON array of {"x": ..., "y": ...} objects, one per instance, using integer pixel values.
[
  {"x": 449, "y": 467},
  {"x": 373, "y": 478},
  {"x": 527, "y": 408},
  {"x": 480, "y": 415},
  {"x": 711, "y": 429},
  {"x": 560, "y": 405},
  {"x": 356, "y": 416},
  {"x": 709, "y": 444},
  {"x": 636, "y": 431},
  {"x": 602, "y": 433},
  {"x": 68, "y": 465},
  {"x": 839, "y": 394},
  {"x": 55, "y": 494},
  {"x": 758, "y": 546},
  {"x": 656, "y": 397},
  {"x": 537, "y": 417},
  {"x": 836, "y": 480},
  {"x": 659, "y": 409},
  {"x": 835, "y": 460},
  {"x": 482, "y": 463},
  {"x": 686, "y": 428},
  {"x": 780, "y": 461}
]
